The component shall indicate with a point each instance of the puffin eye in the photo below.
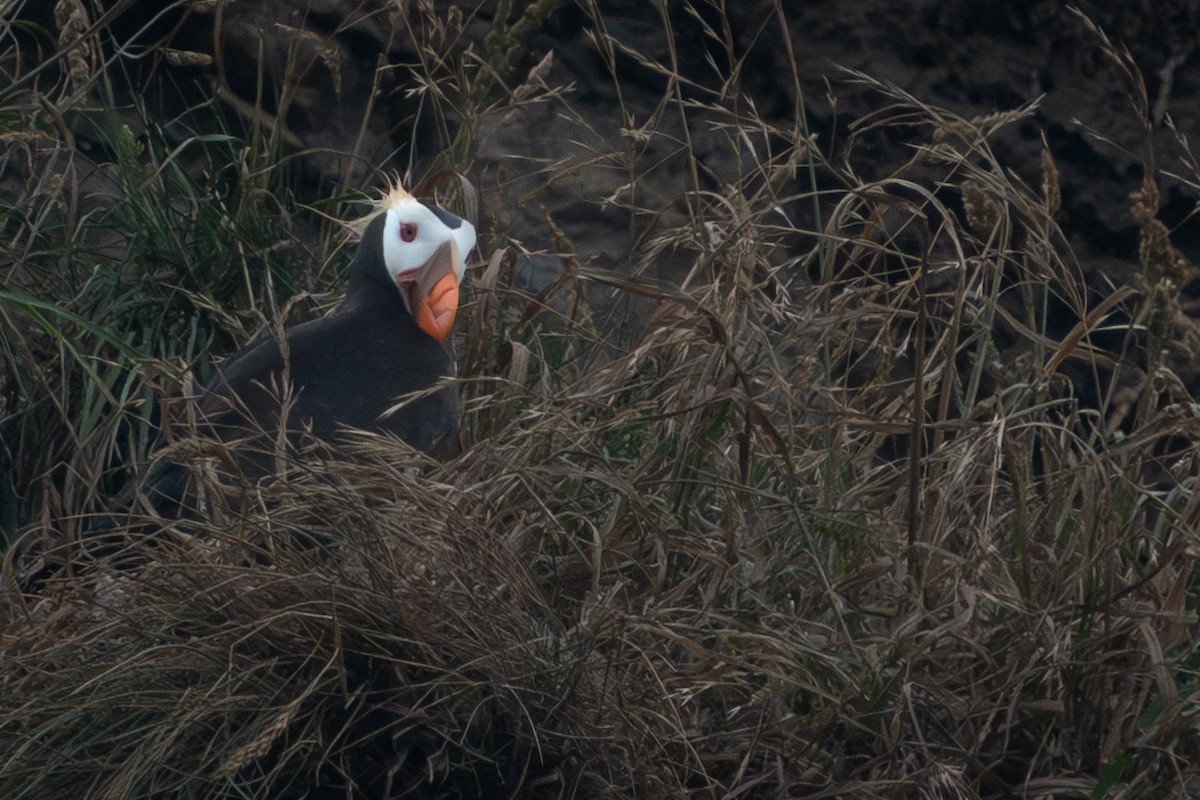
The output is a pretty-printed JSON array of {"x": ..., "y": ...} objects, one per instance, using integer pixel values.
[{"x": 408, "y": 231}]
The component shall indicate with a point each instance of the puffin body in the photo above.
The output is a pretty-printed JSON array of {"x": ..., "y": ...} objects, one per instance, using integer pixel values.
[
  {"x": 384, "y": 342},
  {"x": 354, "y": 368}
]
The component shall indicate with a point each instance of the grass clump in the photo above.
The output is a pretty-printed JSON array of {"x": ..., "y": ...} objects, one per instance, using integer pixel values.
[{"x": 880, "y": 496}]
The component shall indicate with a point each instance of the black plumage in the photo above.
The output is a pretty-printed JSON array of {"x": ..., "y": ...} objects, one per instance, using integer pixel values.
[
  {"x": 346, "y": 370},
  {"x": 370, "y": 365}
]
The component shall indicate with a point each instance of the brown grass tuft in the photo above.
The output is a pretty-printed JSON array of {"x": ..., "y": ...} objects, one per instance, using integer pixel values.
[{"x": 836, "y": 486}]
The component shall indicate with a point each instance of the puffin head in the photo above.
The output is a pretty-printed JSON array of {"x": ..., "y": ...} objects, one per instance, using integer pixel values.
[{"x": 424, "y": 251}]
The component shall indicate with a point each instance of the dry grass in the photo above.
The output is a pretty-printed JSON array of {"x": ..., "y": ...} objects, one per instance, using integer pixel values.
[{"x": 847, "y": 515}]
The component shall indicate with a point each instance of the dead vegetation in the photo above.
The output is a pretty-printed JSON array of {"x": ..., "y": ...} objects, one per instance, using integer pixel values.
[{"x": 881, "y": 499}]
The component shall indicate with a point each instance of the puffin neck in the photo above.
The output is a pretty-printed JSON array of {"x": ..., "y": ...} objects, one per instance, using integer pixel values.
[
  {"x": 369, "y": 290},
  {"x": 370, "y": 284}
]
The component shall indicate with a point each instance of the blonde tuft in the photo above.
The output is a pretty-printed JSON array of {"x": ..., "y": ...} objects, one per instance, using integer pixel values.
[
  {"x": 392, "y": 194},
  {"x": 395, "y": 193}
]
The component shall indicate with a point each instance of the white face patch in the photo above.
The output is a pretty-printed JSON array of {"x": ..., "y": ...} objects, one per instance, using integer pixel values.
[{"x": 408, "y": 218}]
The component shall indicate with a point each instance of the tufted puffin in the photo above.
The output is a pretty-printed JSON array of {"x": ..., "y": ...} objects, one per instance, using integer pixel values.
[{"x": 354, "y": 368}]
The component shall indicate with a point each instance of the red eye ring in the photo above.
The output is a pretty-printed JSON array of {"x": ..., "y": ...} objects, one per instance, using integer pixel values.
[{"x": 408, "y": 231}]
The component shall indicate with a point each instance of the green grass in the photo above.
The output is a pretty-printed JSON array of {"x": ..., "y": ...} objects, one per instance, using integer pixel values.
[{"x": 840, "y": 514}]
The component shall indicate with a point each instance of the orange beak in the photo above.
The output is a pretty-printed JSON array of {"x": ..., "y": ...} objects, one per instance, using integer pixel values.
[
  {"x": 435, "y": 313},
  {"x": 433, "y": 293}
]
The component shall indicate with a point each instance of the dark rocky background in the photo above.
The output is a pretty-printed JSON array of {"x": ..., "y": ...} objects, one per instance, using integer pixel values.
[{"x": 343, "y": 72}]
